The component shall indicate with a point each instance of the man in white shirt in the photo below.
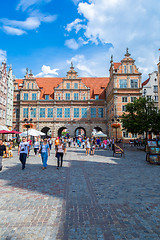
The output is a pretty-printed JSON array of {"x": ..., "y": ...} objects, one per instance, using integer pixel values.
[{"x": 23, "y": 152}]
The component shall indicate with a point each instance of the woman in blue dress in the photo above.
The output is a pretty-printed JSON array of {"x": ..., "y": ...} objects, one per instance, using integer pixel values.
[{"x": 45, "y": 152}]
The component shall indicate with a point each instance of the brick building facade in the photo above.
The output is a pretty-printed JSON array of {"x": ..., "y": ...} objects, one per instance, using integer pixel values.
[
  {"x": 3, "y": 93},
  {"x": 55, "y": 104},
  {"x": 74, "y": 103}
]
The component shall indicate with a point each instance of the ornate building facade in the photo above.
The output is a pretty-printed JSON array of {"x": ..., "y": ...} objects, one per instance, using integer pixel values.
[
  {"x": 77, "y": 104},
  {"x": 54, "y": 104},
  {"x": 124, "y": 87},
  {"x": 3, "y": 93}
]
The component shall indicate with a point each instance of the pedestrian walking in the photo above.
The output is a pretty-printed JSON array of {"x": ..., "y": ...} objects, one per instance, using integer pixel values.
[
  {"x": 88, "y": 146},
  {"x": 69, "y": 142},
  {"x": 93, "y": 146},
  {"x": 2, "y": 150},
  {"x": 50, "y": 143},
  {"x": 56, "y": 143},
  {"x": 65, "y": 146},
  {"x": 23, "y": 152},
  {"x": 36, "y": 146},
  {"x": 59, "y": 153},
  {"x": 98, "y": 143},
  {"x": 45, "y": 152}
]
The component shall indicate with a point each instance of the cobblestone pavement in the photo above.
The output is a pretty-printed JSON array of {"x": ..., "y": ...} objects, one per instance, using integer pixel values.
[{"x": 90, "y": 197}]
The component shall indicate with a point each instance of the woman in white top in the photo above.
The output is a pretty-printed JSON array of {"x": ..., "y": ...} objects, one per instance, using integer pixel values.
[
  {"x": 59, "y": 153},
  {"x": 88, "y": 146},
  {"x": 36, "y": 146}
]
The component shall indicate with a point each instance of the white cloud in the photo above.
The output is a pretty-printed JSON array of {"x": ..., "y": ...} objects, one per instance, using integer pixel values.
[
  {"x": 71, "y": 43},
  {"x": 3, "y": 55},
  {"x": 24, "y": 4},
  {"x": 124, "y": 23},
  {"x": 83, "y": 65},
  {"x": 76, "y": 24},
  {"x": 13, "y": 31},
  {"x": 47, "y": 72}
]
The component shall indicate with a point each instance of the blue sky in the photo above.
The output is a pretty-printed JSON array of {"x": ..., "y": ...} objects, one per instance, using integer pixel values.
[{"x": 46, "y": 35}]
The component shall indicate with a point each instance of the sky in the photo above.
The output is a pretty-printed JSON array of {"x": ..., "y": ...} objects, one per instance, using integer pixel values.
[{"x": 46, "y": 35}]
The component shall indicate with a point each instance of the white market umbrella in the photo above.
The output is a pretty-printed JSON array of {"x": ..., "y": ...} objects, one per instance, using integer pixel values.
[
  {"x": 3, "y": 128},
  {"x": 32, "y": 132},
  {"x": 100, "y": 134}
]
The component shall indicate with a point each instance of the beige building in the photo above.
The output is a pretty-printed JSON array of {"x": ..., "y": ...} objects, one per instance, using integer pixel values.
[{"x": 124, "y": 87}]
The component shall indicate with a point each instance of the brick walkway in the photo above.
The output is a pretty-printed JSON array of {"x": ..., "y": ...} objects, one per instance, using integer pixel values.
[{"x": 100, "y": 197}]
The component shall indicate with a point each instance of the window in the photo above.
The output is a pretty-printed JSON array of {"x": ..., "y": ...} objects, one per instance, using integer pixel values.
[
  {"x": 93, "y": 112},
  {"x": 26, "y": 96},
  {"x": 67, "y": 96},
  {"x": 59, "y": 112},
  {"x": 47, "y": 97},
  {"x": 134, "y": 83},
  {"x": 133, "y": 99},
  {"x": 84, "y": 112},
  {"x": 4, "y": 113},
  {"x": 0, "y": 112},
  {"x": 144, "y": 91},
  {"x": 134, "y": 135},
  {"x": 123, "y": 108},
  {"x": 28, "y": 85},
  {"x": 125, "y": 134},
  {"x": 33, "y": 113},
  {"x": 32, "y": 85},
  {"x": 76, "y": 112},
  {"x": 42, "y": 112},
  {"x": 67, "y": 85},
  {"x": 123, "y": 83},
  {"x": 125, "y": 69},
  {"x": 67, "y": 112},
  {"x": 149, "y": 98},
  {"x": 84, "y": 97},
  {"x": 131, "y": 69},
  {"x": 156, "y": 98},
  {"x": 17, "y": 113},
  {"x": 59, "y": 97},
  {"x": 50, "y": 112},
  {"x": 124, "y": 99},
  {"x": 18, "y": 97},
  {"x": 96, "y": 97},
  {"x": 34, "y": 96},
  {"x": 75, "y": 96},
  {"x": 100, "y": 112},
  {"x": 75, "y": 85},
  {"x": 25, "y": 112},
  {"x": 155, "y": 89}
]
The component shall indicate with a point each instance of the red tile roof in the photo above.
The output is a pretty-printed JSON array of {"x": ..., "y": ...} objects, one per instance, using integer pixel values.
[
  {"x": 145, "y": 82},
  {"x": 97, "y": 85},
  {"x": 116, "y": 65}
]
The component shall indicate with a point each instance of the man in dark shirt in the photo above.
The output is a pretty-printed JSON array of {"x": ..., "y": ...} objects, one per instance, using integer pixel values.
[{"x": 2, "y": 150}]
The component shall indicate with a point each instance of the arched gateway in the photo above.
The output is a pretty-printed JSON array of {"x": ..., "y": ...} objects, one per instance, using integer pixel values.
[
  {"x": 80, "y": 131},
  {"x": 47, "y": 131},
  {"x": 60, "y": 130}
]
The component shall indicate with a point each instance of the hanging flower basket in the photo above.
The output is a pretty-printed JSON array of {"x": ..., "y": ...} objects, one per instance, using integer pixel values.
[
  {"x": 116, "y": 125},
  {"x": 28, "y": 125}
]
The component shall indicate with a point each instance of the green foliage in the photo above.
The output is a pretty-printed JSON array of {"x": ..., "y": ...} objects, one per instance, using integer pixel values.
[{"x": 141, "y": 116}]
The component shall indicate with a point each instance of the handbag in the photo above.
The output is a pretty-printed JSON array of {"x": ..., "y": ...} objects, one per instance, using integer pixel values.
[{"x": 40, "y": 150}]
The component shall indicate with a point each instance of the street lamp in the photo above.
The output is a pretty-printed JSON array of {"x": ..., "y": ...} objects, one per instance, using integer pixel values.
[
  {"x": 28, "y": 123},
  {"x": 117, "y": 125}
]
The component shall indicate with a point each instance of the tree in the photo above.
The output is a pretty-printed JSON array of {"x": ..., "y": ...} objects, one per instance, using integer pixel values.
[{"x": 141, "y": 116}]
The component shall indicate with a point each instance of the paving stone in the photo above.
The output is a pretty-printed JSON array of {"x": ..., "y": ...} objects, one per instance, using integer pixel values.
[{"x": 98, "y": 197}]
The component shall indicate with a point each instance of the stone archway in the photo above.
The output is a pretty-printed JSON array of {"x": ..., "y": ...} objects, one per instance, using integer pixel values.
[
  {"x": 80, "y": 131},
  {"x": 47, "y": 131},
  {"x": 98, "y": 129},
  {"x": 60, "y": 130}
]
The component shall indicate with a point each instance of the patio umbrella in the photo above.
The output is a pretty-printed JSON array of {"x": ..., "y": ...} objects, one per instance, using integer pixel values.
[
  {"x": 100, "y": 134},
  {"x": 15, "y": 132},
  {"x": 3, "y": 128},
  {"x": 32, "y": 132},
  {"x": 4, "y": 132}
]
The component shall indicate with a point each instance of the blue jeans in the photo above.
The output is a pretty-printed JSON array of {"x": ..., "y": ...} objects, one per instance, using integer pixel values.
[{"x": 44, "y": 156}]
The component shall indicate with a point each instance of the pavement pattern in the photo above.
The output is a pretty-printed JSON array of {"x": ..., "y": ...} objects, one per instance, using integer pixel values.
[{"x": 91, "y": 197}]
